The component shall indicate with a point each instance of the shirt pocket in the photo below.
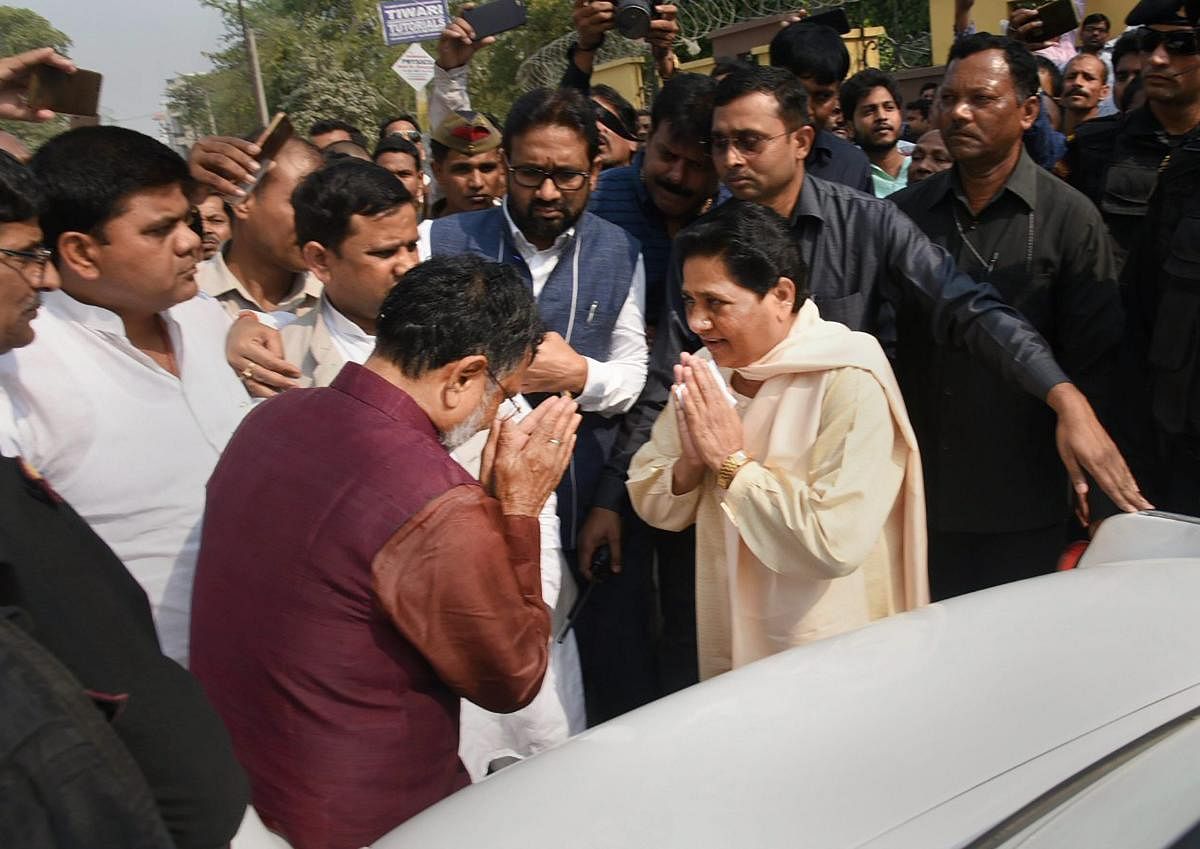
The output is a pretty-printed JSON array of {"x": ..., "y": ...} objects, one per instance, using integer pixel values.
[
  {"x": 847, "y": 309},
  {"x": 1127, "y": 189}
]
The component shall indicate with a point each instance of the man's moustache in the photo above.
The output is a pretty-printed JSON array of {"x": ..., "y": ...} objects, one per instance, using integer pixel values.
[{"x": 674, "y": 188}]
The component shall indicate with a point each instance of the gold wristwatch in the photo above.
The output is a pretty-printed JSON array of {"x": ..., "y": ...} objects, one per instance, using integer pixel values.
[{"x": 730, "y": 468}]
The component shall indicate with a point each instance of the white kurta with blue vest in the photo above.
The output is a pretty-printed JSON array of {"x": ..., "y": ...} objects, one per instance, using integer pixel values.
[{"x": 593, "y": 295}]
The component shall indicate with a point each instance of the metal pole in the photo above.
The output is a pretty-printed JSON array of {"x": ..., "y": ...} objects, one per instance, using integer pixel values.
[
  {"x": 260, "y": 95},
  {"x": 212, "y": 118}
]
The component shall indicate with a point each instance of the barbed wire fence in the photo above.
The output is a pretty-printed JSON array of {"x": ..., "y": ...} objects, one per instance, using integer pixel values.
[{"x": 899, "y": 49}]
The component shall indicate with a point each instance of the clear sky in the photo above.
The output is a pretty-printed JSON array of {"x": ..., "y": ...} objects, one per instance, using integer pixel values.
[{"x": 137, "y": 45}]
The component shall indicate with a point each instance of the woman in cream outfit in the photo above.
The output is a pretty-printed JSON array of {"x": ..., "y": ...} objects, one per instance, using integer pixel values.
[{"x": 804, "y": 482}]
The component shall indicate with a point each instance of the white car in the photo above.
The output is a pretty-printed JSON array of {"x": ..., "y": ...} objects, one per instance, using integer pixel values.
[{"x": 1056, "y": 712}]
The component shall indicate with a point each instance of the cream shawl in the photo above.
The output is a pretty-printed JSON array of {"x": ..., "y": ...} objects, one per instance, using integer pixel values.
[{"x": 825, "y": 530}]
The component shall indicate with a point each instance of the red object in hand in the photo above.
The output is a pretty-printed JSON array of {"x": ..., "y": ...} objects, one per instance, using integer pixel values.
[{"x": 1069, "y": 559}]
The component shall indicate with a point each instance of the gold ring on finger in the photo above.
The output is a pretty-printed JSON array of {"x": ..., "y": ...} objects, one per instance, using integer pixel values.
[{"x": 247, "y": 374}]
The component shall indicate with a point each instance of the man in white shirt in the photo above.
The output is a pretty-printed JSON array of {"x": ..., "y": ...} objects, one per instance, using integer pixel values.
[{"x": 124, "y": 399}]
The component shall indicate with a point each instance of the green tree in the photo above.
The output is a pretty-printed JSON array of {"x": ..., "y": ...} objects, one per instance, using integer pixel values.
[{"x": 21, "y": 30}]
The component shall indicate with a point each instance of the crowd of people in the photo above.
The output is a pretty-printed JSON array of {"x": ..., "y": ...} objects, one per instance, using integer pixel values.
[{"x": 337, "y": 480}]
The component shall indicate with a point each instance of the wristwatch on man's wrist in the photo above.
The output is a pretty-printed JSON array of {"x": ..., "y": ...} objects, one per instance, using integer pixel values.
[{"x": 729, "y": 469}]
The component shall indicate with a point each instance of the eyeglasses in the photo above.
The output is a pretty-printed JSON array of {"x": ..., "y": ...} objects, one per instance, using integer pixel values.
[
  {"x": 409, "y": 135},
  {"x": 1182, "y": 42},
  {"x": 38, "y": 257},
  {"x": 747, "y": 144},
  {"x": 564, "y": 179},
  {"x": 512, "y": 404}
]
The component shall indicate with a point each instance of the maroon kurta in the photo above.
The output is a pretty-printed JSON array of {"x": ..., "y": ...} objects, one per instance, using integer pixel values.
[{"x": 353, "y": 582}]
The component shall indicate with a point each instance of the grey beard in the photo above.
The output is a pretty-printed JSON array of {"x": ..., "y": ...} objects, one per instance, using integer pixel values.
[{"x": 464, "y": 430}]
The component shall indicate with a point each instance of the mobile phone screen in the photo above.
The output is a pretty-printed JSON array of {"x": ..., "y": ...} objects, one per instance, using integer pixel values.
[
  {"x": 495, "y": 17},
  {"x": 75, "y": 93}
]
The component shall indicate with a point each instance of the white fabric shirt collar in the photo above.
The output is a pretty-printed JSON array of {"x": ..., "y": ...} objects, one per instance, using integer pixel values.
[
  {"x": 128, "y": 444},
  {"x": 352, "y": 342},
  {"x": 539, "y": 262}
]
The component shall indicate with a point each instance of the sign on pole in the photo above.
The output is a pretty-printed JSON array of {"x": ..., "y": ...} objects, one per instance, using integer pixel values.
[
  {"x": 415, "y": 67},
  {"x": 405, "y": 21}
]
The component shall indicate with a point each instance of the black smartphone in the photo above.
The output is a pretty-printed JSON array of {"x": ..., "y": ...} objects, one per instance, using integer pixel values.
[
  {"x": 496, "y": 17},
  {"x": 270, "y": 141},
  {"x": 272, "y": 138},
  {"x": 835, "y": 19},
  {"x": 1058, "y": 17},
  {"x": 67, "y": 94},
  {"x": 602, "y": 563}
]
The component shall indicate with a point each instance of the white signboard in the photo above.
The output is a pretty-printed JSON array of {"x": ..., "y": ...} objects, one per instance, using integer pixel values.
[
  {"x": 415, "y": 67},
  {"x": 406, "y": 21}
]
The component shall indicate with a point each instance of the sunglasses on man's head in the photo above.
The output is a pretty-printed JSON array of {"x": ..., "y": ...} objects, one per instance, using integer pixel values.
[{"x": 1180, "y": 42}]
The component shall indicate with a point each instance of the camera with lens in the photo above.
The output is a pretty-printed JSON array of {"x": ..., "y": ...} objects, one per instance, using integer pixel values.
[{"x": 633, "y": 17}]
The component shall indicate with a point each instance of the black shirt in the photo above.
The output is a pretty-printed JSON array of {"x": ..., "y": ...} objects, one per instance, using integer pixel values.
[
  {"x": 988, "y": 450},
  {"x": 838, "y": 161},
  {"x": 89, "y": 612}
]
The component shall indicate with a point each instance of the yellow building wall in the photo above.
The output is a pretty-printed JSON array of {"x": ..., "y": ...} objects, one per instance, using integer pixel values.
[
  {"x": 625, "y": 75},
  {"x": 858, "y": 42},
  {"x": 988, "y": 14}
]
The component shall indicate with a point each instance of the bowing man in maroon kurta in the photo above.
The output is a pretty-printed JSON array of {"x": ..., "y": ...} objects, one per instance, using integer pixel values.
[{"x": 354, "y": 581}]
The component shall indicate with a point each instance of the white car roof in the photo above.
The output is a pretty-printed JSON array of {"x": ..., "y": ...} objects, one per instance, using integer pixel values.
[{"x": 921, "y": 730}]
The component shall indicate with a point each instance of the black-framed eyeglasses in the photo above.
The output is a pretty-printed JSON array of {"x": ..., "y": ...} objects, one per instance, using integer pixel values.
[
  {"x": 564, "y": 179},
  {"x": 1181, "y": 42},
  {"x": 747, "y": 144},
  {"x": 512, "y": 403},
  {"x": 38, "y": 257},
  {"x": 408, "y": 135}
]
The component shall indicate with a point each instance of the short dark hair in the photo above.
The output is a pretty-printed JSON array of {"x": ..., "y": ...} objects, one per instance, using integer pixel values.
[
  {"x": 1022, "y": 65},
  {"x": 397, "y": 144},
  {"x": 860, "y": 85},
  {"x": 919, "y": 105},
  {"x": 811, "y": 50},
  {"x": 1077, "y": 56},
  {"x": 561, "y": 107},
  {"x": 403, "y": 116},
  {"x": 755, "y": 243},
  {"x": 1126, "y": 44},
  {"x": 624, "y": 109},
  {"x": 1056, "y": 77},
  {"x": 1097, "y": 18},
  {"x": 932, "y": 84},
  {"x": 789, "y": 93},
  {"x": 450, "y": 307},
  {"x": 726, "y": 65},
  {"x": 686, "y": 102},
  {"x": 20, "y": 197},
  {"x": 328, "y": 125},
  {"x": 326, "y": 199},
  {"x": 87, "y": 173}
]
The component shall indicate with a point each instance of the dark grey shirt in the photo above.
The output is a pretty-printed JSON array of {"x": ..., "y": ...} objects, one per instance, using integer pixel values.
[
  {"x": 864, "y": 257},
  {"x": 1044, "y": 246}
]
